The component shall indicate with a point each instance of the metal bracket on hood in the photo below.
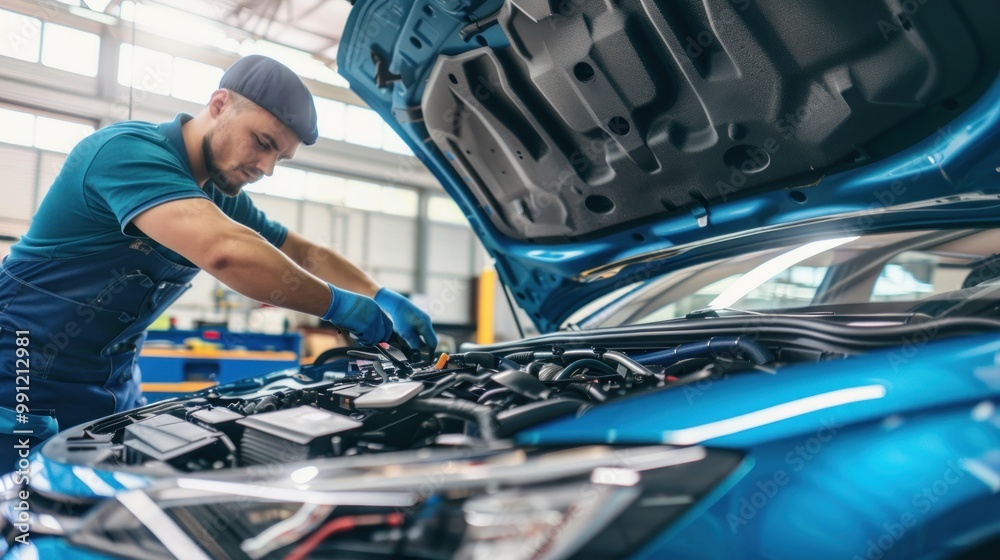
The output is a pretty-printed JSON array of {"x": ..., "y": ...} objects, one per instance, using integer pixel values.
[
  {"x": 383, "y": 77},
  {"x": 408, "y": 114},
  {"x": 699, "y": 209}
]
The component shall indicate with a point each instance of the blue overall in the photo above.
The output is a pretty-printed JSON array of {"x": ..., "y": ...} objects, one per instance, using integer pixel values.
[
  {"x": 85, "y": 327},
  {"x": 85, "y": 283}
]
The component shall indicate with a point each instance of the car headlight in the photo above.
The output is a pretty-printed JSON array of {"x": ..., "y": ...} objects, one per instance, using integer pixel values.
[{"x": 588, "y": 502}]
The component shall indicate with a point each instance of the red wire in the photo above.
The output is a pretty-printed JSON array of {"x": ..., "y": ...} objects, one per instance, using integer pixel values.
[{"x": 340, "y": 525}]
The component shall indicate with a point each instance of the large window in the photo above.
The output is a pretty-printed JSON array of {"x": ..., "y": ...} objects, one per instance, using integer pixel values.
[
  {"x": 177, "y": 25},
  {"x": 403, "y": 202},
  {"x": 158, "y": 72},
  {"x": 297, "y": 184},
  {"x": 194, "y": 81},
  {"x": 357, "y": 125},
  {"x": 363, "y": 127},
  {"x": 301, "y": 62},
  {"x": 57, "y": 46},
  {"x": 913, "y": 275},
  {"x": 17, "y": 127},
  {"x": 58, "y": 135},
  {"x": 70, "y": 49},
  {"x": 286, "y": 182},
  {"x": 145, "y": 69},
  {"x": 442, "y": 209},
  {"x": 330, "y": 115},
  {"x": 329, "y": 189},
  {"x": 22, "y": 36},
  {"x": 391, "y": 142},
  {"x": 46, "y": 133}
]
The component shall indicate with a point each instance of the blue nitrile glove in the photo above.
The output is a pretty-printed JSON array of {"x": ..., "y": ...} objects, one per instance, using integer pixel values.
[
  {"x": 409, "y": 320},
  {"x": 360, "y": 315}
]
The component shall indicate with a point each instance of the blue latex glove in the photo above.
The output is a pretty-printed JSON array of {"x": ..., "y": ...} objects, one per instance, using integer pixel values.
[
  {"x": 409, "y": 320},
  {"x": 360, "y": 315}
]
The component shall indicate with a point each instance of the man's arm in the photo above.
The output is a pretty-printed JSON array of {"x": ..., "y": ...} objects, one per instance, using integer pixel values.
[
  {"x": 412, "y": 323},
  {"x": 235, "y": 254},
  {"x": 243, "y": 260},
  {"x": 329, "y": 265}
]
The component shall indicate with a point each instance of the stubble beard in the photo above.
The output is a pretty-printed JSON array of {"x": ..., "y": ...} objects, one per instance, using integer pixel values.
[{"x": 217, "y": 176}]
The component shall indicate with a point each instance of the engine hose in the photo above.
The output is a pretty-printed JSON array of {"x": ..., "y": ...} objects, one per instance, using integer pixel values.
[
  {"x": 586, "y": 363},
  {"x": 334, "y": 353},
  {"x": 522, "y": 358},
  {"x": 612, "y": 356},
  {"x": 714, "y": 347},
  {"x": 591, "y": 391},
  {"x": 484, "y": 359},
  {"x": 475, "y": 379},
  {"x": 487, "y": 360},
  {"x": 481, "y": 415},
  {"x": 544, "y": 371},
  {"x": 505, "y": 364},
  {"x": 515, "y": 420},
  {"x": 493, "y": 393},
  {"x": 596, "y": 393},
  {"x": 450, "y": 381},
  {"x": 629, "y": 363}
]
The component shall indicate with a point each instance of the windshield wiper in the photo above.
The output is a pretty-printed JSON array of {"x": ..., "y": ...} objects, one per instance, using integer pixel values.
[{"x": 707, "y": 312}]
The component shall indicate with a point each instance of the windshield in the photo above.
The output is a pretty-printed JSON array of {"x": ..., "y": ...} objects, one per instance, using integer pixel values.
[{"x": 859, "y": 274}]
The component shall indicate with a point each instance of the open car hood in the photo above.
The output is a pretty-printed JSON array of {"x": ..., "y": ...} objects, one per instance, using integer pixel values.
[{"x": 589, "y": 143}]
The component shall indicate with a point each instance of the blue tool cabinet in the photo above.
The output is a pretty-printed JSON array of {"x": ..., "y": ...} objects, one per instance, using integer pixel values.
[{"x": 176, "y": 362}]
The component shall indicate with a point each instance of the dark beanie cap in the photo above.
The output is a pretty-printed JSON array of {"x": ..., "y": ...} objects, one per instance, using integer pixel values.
[{"x": 275, "y": 88}]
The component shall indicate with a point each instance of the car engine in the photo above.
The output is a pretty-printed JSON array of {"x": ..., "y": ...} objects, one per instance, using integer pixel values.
[{"x": 361, "y": 401}]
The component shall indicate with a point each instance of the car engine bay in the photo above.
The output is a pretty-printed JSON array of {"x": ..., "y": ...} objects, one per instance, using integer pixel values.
[{"x": 358, "y": 401}]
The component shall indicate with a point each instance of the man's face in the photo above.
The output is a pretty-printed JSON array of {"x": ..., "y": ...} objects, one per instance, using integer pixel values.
[{"x": 244, "y": 145}]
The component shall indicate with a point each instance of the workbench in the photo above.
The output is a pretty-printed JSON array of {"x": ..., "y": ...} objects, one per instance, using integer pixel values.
[{"x": 176, "y": 362}]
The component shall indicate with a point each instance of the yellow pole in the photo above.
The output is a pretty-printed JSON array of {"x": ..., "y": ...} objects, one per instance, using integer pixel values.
[{"x": 487, "y": 301}]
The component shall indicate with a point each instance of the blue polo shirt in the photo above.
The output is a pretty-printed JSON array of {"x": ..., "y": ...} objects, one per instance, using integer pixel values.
[{"x": 114, "y": 175}]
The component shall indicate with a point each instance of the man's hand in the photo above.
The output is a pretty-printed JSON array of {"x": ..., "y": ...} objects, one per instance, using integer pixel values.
[
  {"x": 360, "y": 315},
  {"x": 411, "y": 322}
]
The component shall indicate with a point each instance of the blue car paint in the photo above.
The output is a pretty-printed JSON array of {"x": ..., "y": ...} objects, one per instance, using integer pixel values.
[
  {"x": 46, "y": 548},
  {"x": 847, "y": 481},
  {"x": 960, "y": 158},
  {"x": 80, "y": 481},
  {"x": 958, "y": 372},
  {"x": 914, "y": 487}
]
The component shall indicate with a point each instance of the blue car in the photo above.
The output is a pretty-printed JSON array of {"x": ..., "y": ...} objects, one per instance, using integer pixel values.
[{"x": 760, "y": 243}]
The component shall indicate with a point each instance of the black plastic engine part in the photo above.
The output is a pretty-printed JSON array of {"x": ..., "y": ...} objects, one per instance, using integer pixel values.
[
  {"x": 343, "y": 397},
  {"x": 290, "y": 435},
  {"x": 220, "y": 419},
  {"x": 515, "y": 420},
  {"x": 389, "y": 395},
  {"x": 522, "y": 384},
  {"x": 177, "y": 442}
]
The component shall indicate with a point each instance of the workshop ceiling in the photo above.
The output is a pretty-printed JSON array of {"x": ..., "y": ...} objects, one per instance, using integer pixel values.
[{"x": 314, "y": 26}]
